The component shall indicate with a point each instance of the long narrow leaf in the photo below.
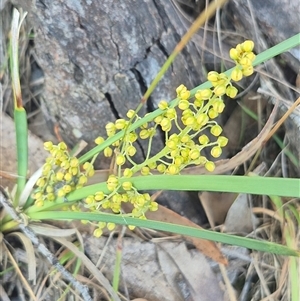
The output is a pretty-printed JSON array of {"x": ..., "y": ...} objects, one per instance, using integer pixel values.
[{"x": 183, "y": 230}]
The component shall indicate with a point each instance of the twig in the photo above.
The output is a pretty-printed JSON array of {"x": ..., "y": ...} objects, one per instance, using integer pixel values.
[{"x": 42, "y": 248}]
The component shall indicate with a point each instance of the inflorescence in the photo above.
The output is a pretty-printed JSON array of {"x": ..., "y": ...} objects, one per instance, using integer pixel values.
[{"x": 185, "y": 138}]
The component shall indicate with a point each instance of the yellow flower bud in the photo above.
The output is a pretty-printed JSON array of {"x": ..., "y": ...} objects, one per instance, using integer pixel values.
[
  {"x": 161, "y": 168},
  {"x": 153, "y": 206},
  {"x": 203, "y": 139},
  {"x": 108, "y": 152},
  {"x": 185, "y": 95},
  {"x": 48, "y": 145},
  {"x": 97, "y": 232},
  {"x": 236, "y": 74},
  {"x": 145, "y": 171},
  {"x": 74, "y": 162},
  {"x": 183, "y": 104},
  {"x": 127, "y": 185},
  {"x": 216, "y": 130},
  {"x": 112, "y": 182},
  {"x": 67, "y": 188},
  {"x": 120, "y": 124},
  {"x": 41, "y": 182},
  {"x": 82, "y": 180},
  {"x": 202, "y": 119},
  {"x": 99, "y": 140},
  {"x": 245, "y": 62},
  {"x": 99, "y": 195},
  {"x": 205, "y": 93},
  {"x": 68, "y": 177},
  {"x": 213, "y": 76},
  {"x": 194, "y": 154},
  {"x": 127, "y": 173},
  {"x": 61, "y": 193},
  {"x": 130, "y": 113},
  {"x": 222, "y": 141},
  {"x": 178, "y": 161},
  {"x": 248, "y": 71},
  {"x": 231, "y": 91},
  {"x": 111, "y": 226},
  {"x": 219, "y": 106},
  {"x": 234, "y": 54},
  {"x": 131, "y": 150},
  {"x": 216, "y": 151},
  {"x": 171, "y": 113},
  {"x": 220, "y": 90},
  {"x": 62, "y": 146},
  {"x": 248, "y": 46},
  {"x": 173, "y": 169},
  {"x": 120, "y": 160},
  {"x": 212, "y": 114},
  {"x": 163, "y": 105},
  {"x": 144, "y": 134},
  {"x": 59, "y": 176},
  {"x": 210, "y": 166},
  {"x": 180, "y": 89},
  {"x": 165, "y": 122}
]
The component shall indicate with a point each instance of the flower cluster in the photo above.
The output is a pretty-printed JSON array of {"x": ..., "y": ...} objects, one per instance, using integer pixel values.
[
  {"x": 61, "y": 174},
  {"x": 243, "y": 56},
  {"x": 189, "y": 124},
  {"x": 120, "y": 191}
]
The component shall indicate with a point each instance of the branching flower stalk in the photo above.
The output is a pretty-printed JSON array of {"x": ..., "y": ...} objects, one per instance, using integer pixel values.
[{"x": 185, "y": 140}]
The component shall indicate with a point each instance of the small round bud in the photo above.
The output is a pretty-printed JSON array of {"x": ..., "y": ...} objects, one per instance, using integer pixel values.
[
  {"x": 74, "y": 162},
  {"x": 62, "y": 146},
  {"x": 248, "y": 46},
  {"x": 205, "y": 94},
  {"x": 222, "y": 141},
  {"x": 231, "y": 91},
  {"x": 202, "y": 119},
  {"x": 127, "y": 173},
  {"x": 216, "y": 130},
  {"x": 108, "y": 152},
  {"x": 236, "y": 74},
  {"x": 248, "y": 71},
  {"x": 120, "y": 160},
  {"x": 127, "y": 185},
  {"x": 210, "y": 166},
  {"x": 234, "y": 54},
  {"x": 161, "y": 168},
  {"x": 144, "y": 134},
  {"x": 173, "y": 169},
  {"x": 180, "y": 89},
  {"x": 99, "y": 196},
  {"x": 219, "y": 106},
  {"x": 203, "y": 139},
  {"x": 59, "y": 176},
  {"x": 183, "y": 104},
  {"x": 194, "y": 154},
  {"x": 163, "y": 105},
  {"x": 145, "y": 171},
  {"x": 213, "y": 76},
  {"x": 120, "y": 124},
  {"x": 131, "y": 150},
  {"x": 212, "y": 114},
  {"x": 130, "y": 114},
  {"x": 68, "y": 177},
  {"x": 111, "y": 226},
  {"x": 99, "y": 140},
  {"x": 48, "y": 145},
  {"x": 216, "y": 151},
  {"x": 97, "y": 232},
  {"x": 67, "y": 188},
  {"x": 220, "y": 90},
  {"x": 112, "y": 182}
]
